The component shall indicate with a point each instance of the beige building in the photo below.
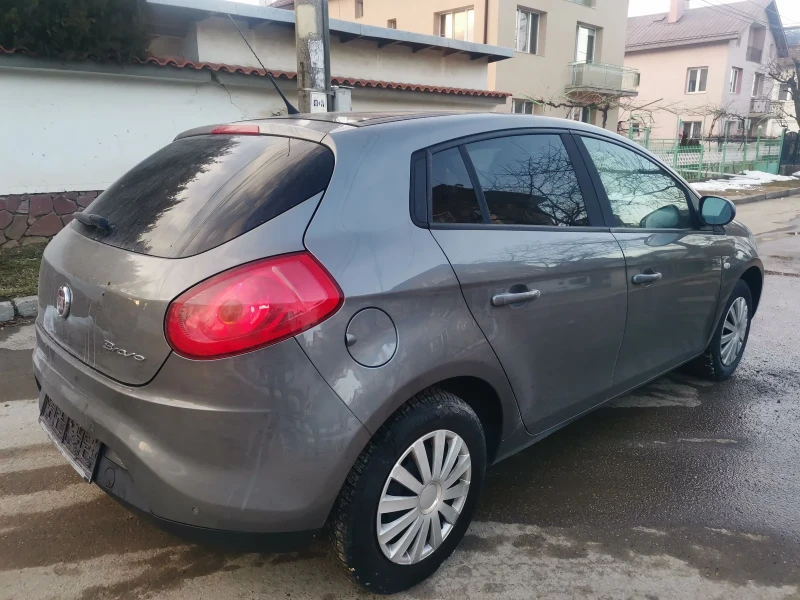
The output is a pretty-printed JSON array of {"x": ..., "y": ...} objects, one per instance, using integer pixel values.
[
  {"x": 565, "y": 51},
  {"x": 707, "y": 68}
]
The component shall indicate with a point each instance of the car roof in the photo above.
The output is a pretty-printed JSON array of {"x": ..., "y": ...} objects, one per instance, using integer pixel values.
[{"x": 363, "y": 119}]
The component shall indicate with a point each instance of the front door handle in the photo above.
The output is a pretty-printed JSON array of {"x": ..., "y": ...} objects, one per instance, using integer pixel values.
[
  {"x": 516, "y": 298},
  {"x": 643, "y": 278}
]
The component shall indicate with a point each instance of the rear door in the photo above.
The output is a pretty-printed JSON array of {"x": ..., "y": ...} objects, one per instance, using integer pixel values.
[
  {"x": 674, "y": 262},
  {"x": 545, "y": 281}
]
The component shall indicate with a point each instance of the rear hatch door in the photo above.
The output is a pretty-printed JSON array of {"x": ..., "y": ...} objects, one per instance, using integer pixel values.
[{"x": 199, "y": 206}]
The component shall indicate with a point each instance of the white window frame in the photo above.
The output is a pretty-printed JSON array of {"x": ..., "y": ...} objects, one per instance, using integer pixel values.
[
  {"x": 698, "y": 79},
  {"x": 760, "y": 89},
  {"x": 736, "y": 76},
  {"x": 524, "y": 104},
  {"x": 578, "y": 113},
  {"x": 469, "y": 13},
  {"x": 593, "y": 36},
  {"x": 695, "y": 129},
  {"x": 528, "y": 47}
]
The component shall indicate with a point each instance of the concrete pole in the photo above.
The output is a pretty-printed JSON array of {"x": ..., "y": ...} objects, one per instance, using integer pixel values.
[{"x": 312, "y": 40}]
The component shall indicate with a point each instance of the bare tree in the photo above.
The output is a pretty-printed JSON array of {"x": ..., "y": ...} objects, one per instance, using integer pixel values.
[{"x": 786, "y": 71}]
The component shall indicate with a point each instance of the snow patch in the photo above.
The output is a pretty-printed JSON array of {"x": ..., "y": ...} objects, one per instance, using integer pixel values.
[{"x": 747, "y": 180}]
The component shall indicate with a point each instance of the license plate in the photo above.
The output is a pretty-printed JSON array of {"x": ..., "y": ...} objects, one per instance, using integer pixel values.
[{"x": 73, "y": 441}]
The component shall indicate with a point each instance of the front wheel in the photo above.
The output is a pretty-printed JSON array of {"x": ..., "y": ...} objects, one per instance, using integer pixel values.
[
  {"x": 410, "y": 497},
  {"x": 726, "y": 349}
]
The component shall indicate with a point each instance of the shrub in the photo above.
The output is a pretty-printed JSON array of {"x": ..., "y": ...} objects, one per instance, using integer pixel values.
[{"x": 112, "y": 29}]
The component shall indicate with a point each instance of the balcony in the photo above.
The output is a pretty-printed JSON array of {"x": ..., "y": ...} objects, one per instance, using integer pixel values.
[
  {"x": 603, "y": 78},
  {"x": 588, "y": 3},
  {"x": 762, "y": 107},
  {"x": 754, "y": 54}
]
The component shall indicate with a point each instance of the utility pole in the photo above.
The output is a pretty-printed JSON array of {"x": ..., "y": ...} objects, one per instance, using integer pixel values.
[{"x": 313, "y": 42}]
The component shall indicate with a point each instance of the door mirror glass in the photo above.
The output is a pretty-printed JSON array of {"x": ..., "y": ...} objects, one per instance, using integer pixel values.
[
  {"x": 666, "y": 217},
  {"x": 716, "y": 211}
]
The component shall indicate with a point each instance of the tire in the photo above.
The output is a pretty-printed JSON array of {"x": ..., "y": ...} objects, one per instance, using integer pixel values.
[
  {"x": 712, "y": 364},
  {"x": 354, "y": 519}
]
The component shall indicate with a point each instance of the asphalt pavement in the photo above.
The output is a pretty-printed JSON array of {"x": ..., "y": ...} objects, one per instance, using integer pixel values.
[{"x": 681, "y": 490}]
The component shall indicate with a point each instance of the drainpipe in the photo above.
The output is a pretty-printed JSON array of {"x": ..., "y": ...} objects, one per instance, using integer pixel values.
[{"x": 486, "y": 23}]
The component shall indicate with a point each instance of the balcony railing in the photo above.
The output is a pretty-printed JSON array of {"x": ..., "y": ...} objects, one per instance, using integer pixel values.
[
  {"x": 602, "y": 77},
  {"x": 589, "y": 3},
  {"x": 754, "y": 54},
  {"x": 762, "y": 106}
]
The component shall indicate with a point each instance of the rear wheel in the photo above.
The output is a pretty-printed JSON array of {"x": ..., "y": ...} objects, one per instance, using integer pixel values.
[
  {"x": 726, "y": 349},
  {"x": 411, "y": 495}
]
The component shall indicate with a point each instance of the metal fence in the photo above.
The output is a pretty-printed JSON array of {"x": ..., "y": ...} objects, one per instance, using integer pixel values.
[{"x": 711, "y": 157}]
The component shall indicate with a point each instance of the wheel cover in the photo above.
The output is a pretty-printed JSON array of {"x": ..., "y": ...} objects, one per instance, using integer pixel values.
[
  {"x": 734, "y": 331},
  {"x": 423, "y": 497}
]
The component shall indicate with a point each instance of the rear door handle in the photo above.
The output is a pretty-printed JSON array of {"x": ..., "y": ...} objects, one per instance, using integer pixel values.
[
  {"x": 518, "y": 298},
  {"x": 646, "y": 278}
]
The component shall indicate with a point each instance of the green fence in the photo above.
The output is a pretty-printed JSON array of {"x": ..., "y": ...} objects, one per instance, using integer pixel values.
[{"x": 704, "y": 158}]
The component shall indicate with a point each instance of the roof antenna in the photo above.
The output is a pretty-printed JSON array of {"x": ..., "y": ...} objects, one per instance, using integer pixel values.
[{"x": 289, "y": 108}]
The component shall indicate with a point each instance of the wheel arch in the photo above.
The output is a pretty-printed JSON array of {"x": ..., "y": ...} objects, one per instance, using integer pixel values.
[{"x": 754, "y": 278}]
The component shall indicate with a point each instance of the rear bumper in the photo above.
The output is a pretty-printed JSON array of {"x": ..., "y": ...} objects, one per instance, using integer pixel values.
[
  {"x": 117, "y": 483},
  {"x": 257, "y": 443}
]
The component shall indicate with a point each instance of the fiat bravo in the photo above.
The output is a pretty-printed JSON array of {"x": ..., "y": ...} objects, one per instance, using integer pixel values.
[{"x": 336, "y": 323}]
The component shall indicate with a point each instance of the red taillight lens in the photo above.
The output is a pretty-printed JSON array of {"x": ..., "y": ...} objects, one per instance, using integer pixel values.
[
  {"x": 237, "y": 129},
  {"x": 252, "y": 306}
]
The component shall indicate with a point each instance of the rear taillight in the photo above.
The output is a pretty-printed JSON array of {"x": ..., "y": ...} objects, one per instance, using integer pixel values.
[{"x": 251, "y": 306}]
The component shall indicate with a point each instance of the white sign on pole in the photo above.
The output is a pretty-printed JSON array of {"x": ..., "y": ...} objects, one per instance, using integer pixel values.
[{"x": 318, "y": 102}]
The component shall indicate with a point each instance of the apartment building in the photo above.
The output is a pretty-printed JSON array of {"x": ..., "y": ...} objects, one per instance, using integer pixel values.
[
  {"x": 707, "y": 68},
  {"x": 565, "y": 51}
]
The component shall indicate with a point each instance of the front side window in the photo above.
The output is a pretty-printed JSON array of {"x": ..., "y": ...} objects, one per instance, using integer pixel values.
[
  {"x": 528, "y": 180},
  {"x": 454, "y": 198},
  {"x": 584, "y": 51},
  {"x": 458, "y": 25},
  {"x": 391, "y": 23},
  {"x": 527, "y": 31},
  {"x": 696, "y": 80},
  {"x": 640, "y": 192},
  {"x": 784, "y": 94}
]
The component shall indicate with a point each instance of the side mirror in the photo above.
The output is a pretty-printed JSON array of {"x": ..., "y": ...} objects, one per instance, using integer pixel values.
[
  {"x": 666, "y": 217},
  {"x": 716, "y": 211}
]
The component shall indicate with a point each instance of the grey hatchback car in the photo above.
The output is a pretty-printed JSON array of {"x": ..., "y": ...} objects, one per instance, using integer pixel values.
[{"x": 331, "y": 322}]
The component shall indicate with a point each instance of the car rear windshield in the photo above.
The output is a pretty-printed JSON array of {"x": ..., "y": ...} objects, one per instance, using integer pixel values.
[{"x": 200, "y": 192}]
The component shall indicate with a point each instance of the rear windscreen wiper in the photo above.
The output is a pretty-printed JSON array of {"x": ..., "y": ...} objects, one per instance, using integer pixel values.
[{"x": 95, "y": 221}]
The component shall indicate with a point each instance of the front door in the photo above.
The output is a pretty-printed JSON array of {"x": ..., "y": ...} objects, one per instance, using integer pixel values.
[
  {"x": 674, "y": 263},
  {"x": 546, "y": 285}
]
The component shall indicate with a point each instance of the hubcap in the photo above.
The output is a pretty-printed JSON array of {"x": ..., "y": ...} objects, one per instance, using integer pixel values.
[
  {"x": 423, "y": 497},
  {"x": 734, "y": 331}
]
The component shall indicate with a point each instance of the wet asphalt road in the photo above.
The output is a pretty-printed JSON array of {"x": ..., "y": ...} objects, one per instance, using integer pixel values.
[{"x": 681, "y": 490}]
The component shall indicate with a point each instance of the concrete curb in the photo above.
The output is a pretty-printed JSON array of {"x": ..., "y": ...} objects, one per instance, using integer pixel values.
[
  {"x": 766, "y": 196},
  {"x": 19, "y": 308}
]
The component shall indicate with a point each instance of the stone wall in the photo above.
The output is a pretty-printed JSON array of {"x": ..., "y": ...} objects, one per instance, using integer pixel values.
[{"x": 31, "y": 218}]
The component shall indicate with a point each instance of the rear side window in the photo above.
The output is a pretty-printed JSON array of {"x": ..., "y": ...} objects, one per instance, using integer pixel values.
[
  {"x": 200, "y": 192},
  {"x": 529, "y": 180},
  {"x": 454, "y": 198}
]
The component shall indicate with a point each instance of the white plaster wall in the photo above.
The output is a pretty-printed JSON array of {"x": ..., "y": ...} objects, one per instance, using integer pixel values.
[{"x": 69, "y": 131}]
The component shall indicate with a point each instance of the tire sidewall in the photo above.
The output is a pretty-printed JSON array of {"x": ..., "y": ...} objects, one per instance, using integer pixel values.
[
  {"x": 366, "y": 556},
  {"x": 740, "y": 290}
]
